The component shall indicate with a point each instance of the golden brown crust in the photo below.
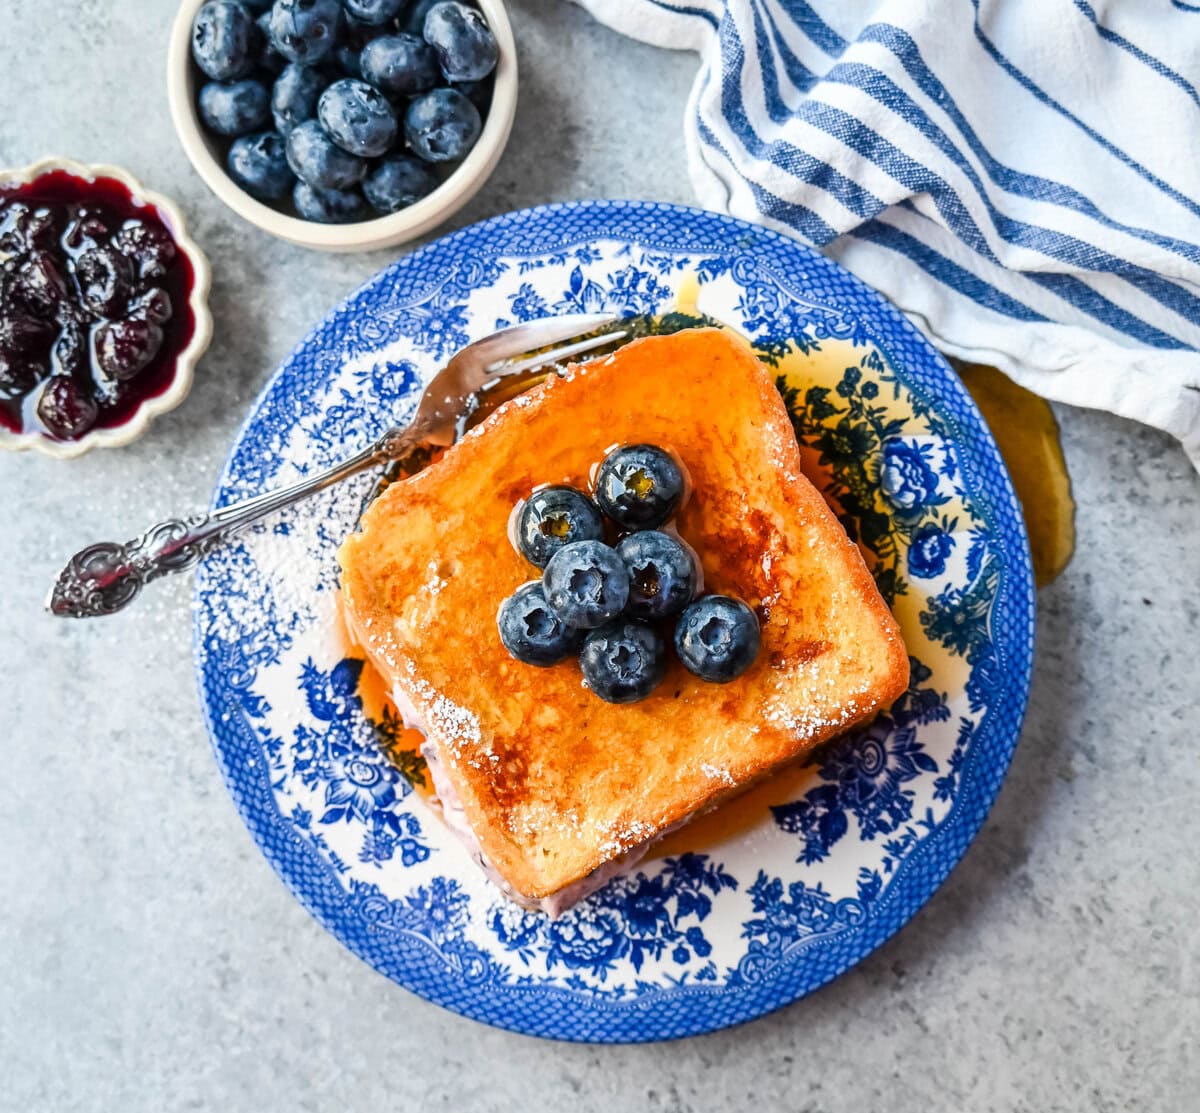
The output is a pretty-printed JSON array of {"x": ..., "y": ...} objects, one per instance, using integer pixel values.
[{"x": 553, "y": 780}]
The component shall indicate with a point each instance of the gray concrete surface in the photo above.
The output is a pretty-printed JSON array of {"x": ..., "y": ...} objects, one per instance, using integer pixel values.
[{"x": 149, "y": 958}]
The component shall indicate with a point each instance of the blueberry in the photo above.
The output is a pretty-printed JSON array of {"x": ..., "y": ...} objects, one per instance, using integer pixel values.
[
  {"x": 374, "y": 12},
  {"x": 18, "y": 374},
  {"x": 38, "y": 282},
  {"x": 356, "y": 34},
  {"x": 258, "y": 163},
  {"x": 717, "y": 638},
  {"x": 586, "y": 583},
  {"x": 294, "y": 98},
  {"x": 639, "y": 486},
  {"x": 147, "y": 245},
  {"x": 154, "y": 305},
  {"x": 624, "y": 661},
  {"x": 554, "y": 517},
  {"x": 257, "y": 5},
  {"x": 270, "y": 61},
  {"x": 22, "y": 335},
  {"x": 224, "y": 40},
  {"x": 479, "y": 93},
  {"x": 357, "y": 117},
  {"x": 66, "y": 408},
  {"x": 123, "y": 348},
  {"x": 662, "y": 573},
  {"x": 442, "y": 126},
  {"x": 465, "y": 46},
  {"x": 23, "y": 228},
  {"x": 104, "y": 277},
  {"x": 305, "y": 30},
  {"x": 329, "y": 206},
  {"x": 399, "y": 181},
  {"x": 532, "y": 632},
  {"x": 347, "y": 61},
  {"x": 70, "y": 353},
  {"x": 414, "y": 21},
  {"x": 316, "y": 159},
  {"x": 400, "y": 65},
  {"x": 235, "y": 107}
]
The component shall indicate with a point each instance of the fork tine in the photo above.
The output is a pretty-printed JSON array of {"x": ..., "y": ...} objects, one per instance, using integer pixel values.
[
  {"x": 558, "y": 354},
  {"x": 517, "y": 340}
]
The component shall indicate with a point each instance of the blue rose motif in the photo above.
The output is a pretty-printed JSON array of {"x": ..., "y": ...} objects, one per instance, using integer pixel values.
[
  {"x": 583, "y": 295},
  {"x": 594, "y": 941},
  {"x": 388, "y": 382},
  {"x": 907, "y": 480},
  {"x": 870, "y": 770},
  {"x": 862, "y": 768},
  {"x": 645, "y": 908},
  {"x": 514, "y": 927},
  {"x": 359, "y": 786},
  {"x": 927, "y": 554}
]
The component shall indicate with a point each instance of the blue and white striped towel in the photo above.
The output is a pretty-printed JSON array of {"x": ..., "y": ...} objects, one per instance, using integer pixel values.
[{"x": 1021, "y": 177}]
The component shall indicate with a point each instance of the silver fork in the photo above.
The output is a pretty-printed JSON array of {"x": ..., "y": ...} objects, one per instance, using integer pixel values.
[{"x": 105, "y": 577}]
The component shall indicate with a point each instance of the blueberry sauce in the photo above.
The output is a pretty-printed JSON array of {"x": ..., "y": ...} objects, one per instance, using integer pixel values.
[{"x": 94, "y": 306}]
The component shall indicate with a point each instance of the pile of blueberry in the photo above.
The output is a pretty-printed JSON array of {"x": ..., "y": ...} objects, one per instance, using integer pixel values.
[
  {"x": 88, "y": 288},
  {"x": 610, "y": 604},
  {"x": 351, "y": 108}
]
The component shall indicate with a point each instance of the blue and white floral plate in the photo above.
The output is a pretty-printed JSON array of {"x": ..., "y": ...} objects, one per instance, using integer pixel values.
[{"x": 795, "y": 883}]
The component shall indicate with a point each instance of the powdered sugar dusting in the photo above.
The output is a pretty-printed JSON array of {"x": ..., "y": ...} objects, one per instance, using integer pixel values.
[
  {"x": 434, "y": 581},
  {"x": 717, "y": 773}
]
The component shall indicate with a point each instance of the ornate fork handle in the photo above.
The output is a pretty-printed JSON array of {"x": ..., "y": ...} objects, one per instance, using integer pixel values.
[{"x": 107, "y": 576}]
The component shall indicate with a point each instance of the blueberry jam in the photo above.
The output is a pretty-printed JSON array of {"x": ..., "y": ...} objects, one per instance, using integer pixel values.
[{"x": 93, "y": 305}]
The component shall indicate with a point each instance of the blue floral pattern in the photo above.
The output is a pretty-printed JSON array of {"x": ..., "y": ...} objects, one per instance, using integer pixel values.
[
  {"x": 866, "y": 775},
  {"x": 634, "y": 918},
  {"x": 906, "y": 476},
  {"x": 888, "y": 481},
  {"x": 927, "y": 554},
  {"x": 788, "y": 915},
  {"x": 344, "y": 766},
  {"x": 706, "y": 936}
]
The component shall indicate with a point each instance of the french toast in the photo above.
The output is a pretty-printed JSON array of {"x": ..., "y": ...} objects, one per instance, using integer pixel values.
[{"x": 554, "y": 789}]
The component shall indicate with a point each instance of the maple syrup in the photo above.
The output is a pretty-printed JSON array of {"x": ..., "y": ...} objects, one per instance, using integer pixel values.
[
  {"x": 1027, "y": 434},
  {"x": 378, "y": 706}
]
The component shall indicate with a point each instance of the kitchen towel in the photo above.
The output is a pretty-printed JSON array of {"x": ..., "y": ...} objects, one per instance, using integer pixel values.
[{"x": 1021, "y": 177}]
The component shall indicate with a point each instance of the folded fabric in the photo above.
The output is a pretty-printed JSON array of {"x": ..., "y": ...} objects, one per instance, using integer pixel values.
[{"x": 1018, "y": 176}]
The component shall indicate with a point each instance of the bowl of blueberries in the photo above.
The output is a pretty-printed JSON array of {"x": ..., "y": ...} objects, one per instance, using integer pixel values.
[{"x": 343, "y": 125}]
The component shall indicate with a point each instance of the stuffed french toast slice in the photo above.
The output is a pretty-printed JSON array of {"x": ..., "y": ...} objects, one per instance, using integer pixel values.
[{"x": 553, "y": 789}]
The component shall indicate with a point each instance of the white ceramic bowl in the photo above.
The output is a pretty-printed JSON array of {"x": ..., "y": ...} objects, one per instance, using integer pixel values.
[
  {"x": 136, "y": 424},
  {"x": 366, "y": 235}
]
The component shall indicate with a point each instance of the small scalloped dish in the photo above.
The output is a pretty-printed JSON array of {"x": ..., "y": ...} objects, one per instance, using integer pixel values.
[{"x": 166, "y": 381}]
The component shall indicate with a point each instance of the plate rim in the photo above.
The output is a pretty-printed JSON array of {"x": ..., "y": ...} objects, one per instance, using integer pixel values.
[{"x": 565, "y": 1014}]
